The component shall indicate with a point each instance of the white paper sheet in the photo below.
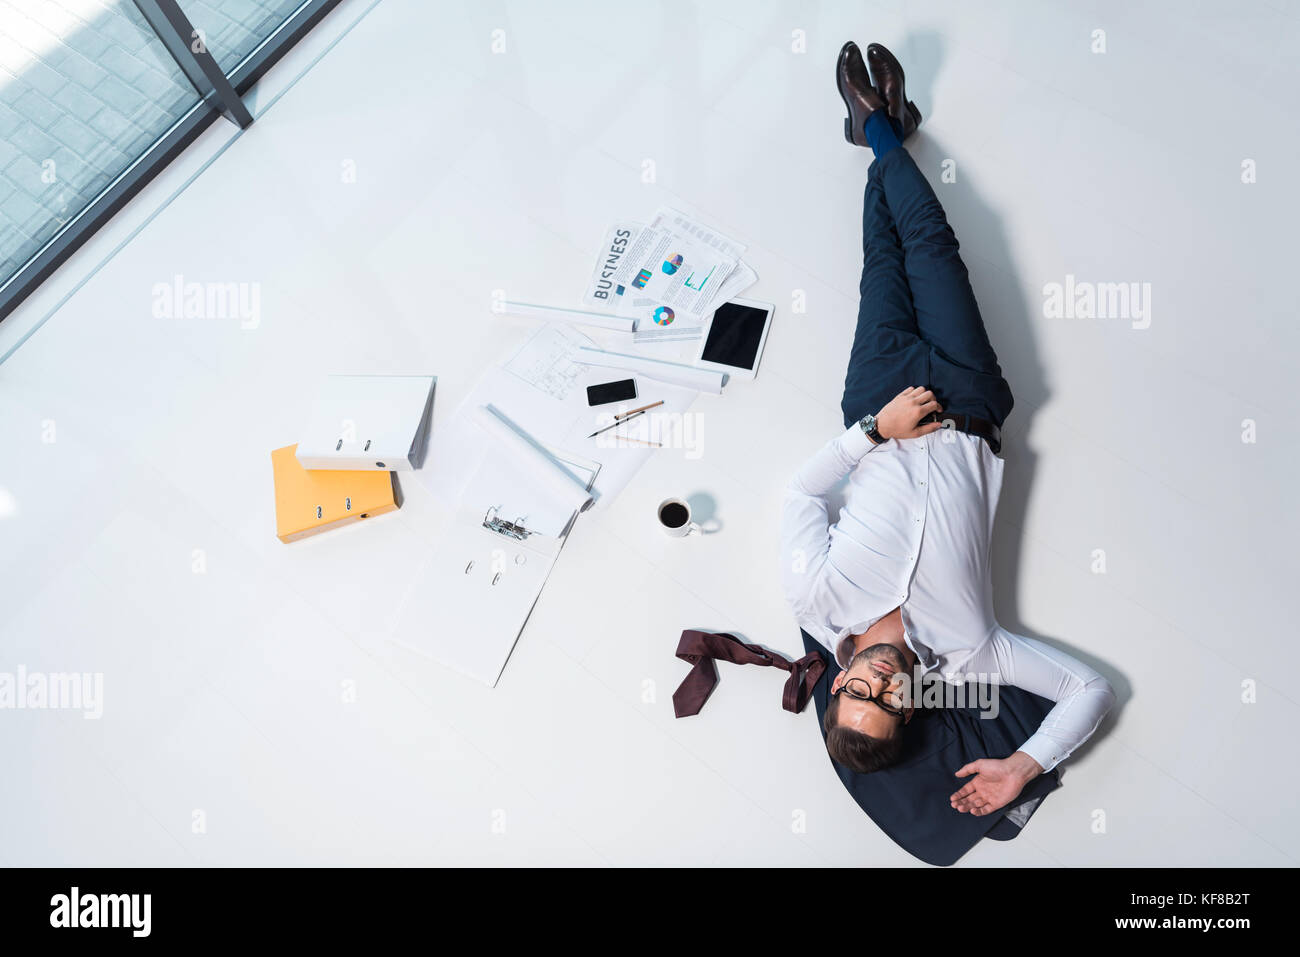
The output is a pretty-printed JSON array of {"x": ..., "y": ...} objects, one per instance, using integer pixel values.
[
  {"x": 674, "y": 270},
  {"x": 521, "y": 481},
  {"x": 557, "y": 418},
  {"x": 687, "y": 329},
  {"x": 470, "y": 599},
  {"x": 537, "y": 434}
]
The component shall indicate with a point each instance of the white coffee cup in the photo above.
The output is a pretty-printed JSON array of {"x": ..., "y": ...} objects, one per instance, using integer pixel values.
[{"x": 674, "y": 516}]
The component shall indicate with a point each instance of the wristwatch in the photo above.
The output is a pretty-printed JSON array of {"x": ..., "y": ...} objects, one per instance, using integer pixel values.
[{"x": 868, "y": 425}]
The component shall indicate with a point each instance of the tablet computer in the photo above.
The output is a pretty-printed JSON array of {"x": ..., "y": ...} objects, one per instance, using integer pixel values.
[{"x": 734, "y": 341}]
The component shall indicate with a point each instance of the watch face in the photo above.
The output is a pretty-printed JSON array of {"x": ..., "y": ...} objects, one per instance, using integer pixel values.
[{"x": 869, "y": 424}]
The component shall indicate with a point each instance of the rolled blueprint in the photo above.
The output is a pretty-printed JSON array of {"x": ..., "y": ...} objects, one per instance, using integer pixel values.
[
  {"x": 603, "y": 320},
  {"x": 674, "y": 373},
  {"x": 538, "y": 468}
]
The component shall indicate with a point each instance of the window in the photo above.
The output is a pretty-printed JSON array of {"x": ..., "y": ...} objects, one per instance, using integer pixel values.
[{"x": 96, "y": 96}]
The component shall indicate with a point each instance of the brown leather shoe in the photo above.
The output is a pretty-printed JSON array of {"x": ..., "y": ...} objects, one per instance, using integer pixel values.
[
  {"x": 887, "y": 73},
  {"x": 860, "y": 97}
]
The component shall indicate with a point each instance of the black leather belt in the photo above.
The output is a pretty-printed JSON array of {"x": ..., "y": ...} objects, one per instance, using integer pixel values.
[{"x": 969, "y": 424}]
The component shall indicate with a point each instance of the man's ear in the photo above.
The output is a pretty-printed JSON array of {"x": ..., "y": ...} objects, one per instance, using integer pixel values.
[{"x": 839, "y": 680}]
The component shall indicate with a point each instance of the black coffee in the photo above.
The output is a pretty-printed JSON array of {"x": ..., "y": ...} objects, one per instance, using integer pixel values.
[{"x": 674, "y": 515}]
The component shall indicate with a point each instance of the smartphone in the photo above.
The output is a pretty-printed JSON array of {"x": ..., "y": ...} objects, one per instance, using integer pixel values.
[{"x": 607, "y": 392}]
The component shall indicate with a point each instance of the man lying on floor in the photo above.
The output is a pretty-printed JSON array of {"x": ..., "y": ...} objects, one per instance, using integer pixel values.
[{"x": 902, "y": 581}]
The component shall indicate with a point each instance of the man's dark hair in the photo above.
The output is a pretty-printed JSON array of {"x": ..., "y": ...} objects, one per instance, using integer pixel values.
[{"x": 857, "y": 751}]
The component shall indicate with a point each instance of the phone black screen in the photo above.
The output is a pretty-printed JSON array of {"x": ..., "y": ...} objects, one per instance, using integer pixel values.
[{"x": 607, "y": 392}]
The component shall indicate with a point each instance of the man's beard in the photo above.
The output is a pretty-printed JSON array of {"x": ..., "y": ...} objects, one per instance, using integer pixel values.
[{"x": 887, "y": 653}]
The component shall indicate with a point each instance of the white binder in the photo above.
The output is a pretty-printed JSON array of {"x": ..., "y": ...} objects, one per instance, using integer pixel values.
[{"x": 375, "y": 422}]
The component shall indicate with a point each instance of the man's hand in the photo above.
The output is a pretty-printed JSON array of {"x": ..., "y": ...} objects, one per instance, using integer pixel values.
[
  {"x": 996, "y": 783},
  {"x": 898, "y": 419}
]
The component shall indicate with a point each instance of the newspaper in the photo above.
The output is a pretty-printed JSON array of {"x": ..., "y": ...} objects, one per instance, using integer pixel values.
[{"x": 669, "y": 275}]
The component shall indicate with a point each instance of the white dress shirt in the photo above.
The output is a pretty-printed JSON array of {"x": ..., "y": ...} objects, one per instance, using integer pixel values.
[{"x": 915, "y": 533}]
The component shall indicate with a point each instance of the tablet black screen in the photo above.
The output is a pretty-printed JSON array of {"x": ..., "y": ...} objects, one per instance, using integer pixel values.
[{"x": 735, "y": 336}]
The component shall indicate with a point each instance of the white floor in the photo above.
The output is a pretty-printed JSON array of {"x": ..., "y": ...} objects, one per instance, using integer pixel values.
[{"x": 129, "y": 442}]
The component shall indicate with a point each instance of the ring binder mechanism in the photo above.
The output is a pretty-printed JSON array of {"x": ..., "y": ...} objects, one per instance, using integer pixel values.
[{"x": 501, "y": 526}]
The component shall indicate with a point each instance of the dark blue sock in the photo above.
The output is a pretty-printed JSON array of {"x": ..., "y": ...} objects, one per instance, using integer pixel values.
[{"x": 882, "y": 133}]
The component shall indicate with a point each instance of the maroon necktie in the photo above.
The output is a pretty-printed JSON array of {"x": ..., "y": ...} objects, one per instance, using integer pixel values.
[{"x": 701, "y": 649}]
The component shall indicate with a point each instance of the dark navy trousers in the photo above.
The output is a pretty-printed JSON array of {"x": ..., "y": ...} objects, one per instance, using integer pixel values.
[{"x": 918, "y": 322}]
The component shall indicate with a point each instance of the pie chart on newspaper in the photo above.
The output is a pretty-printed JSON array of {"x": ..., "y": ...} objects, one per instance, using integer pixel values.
[{"x": 663, "y": 316}]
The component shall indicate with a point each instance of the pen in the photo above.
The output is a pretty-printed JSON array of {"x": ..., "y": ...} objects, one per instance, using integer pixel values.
[
  {"x": 631, "y": 412},
  {"x": 628, "y": 438},
  {"x": 629, "y": 416}
]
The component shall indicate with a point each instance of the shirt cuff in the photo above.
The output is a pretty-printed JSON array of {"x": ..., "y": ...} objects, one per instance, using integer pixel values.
[
  {"x": 1045, "y": 751},
  {"x": 855, "y": 442}
]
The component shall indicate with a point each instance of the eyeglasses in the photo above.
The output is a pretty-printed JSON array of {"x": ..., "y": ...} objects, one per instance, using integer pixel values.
[{"x": 859, "y": 689}]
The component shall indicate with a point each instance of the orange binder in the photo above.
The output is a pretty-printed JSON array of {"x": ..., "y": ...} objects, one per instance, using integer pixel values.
[{"x": 307, "y": 502}]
